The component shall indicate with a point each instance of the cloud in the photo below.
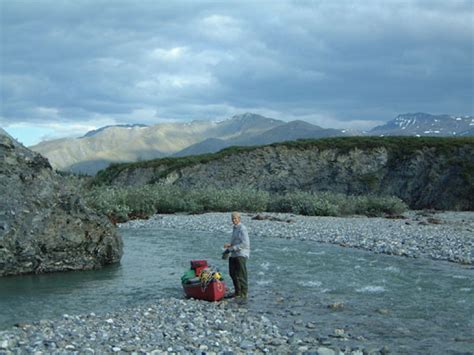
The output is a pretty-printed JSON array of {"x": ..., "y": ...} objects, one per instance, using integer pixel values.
[
  {"x": 32, "y": 133},
  {"x": 343, "y": 63},
  {"x": 172, "y": 54},
  {"x": 220, "y": 28}
]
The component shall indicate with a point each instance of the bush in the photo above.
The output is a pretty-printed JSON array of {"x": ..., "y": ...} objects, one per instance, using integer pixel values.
[
  {"x": 304, "y": 203},
  {"x": 122, "y": 203},
  {"x": 334, "y": 204}
]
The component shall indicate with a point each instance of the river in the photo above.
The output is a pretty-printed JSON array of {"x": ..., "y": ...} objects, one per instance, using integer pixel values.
[{"x": 418, "y": 304}]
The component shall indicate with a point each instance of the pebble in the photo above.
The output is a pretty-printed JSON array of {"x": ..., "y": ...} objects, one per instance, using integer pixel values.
[
  {"x": 246, "y": 345},
  {"x": 325, "y": 351},
  {"x": 162, "y": 330},
  {"x": 336, "y": 306}
]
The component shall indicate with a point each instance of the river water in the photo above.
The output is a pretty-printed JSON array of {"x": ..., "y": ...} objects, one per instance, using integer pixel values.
[{"x": 410, "y": 305}]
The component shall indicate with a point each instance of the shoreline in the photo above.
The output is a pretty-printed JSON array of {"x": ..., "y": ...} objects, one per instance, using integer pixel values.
[
  {"x": 175, "y": 326},
  {"x": 446, "y": 236}
]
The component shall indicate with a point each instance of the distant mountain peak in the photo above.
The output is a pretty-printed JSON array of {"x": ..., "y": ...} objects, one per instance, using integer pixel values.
[
  {"x": 247, "y": 115},
  {"x": 300, "y": 124},
  {"x": 252, "y": 117},
  {"x": 425, "y": 124},
  {"x": 96, "y": 131}
]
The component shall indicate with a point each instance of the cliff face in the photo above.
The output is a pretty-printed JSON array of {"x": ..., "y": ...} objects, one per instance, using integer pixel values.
[
  {"x": 429, "y": 173},
  {"x": 44, "y": 227}
]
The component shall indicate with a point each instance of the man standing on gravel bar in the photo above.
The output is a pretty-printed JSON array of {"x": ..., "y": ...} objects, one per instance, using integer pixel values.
[{"x": 239, "y": 249}]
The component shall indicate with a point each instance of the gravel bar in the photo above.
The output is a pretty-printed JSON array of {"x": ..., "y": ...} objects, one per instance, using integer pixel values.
[
  {"x": 445, "y": 236},
  {"x": 167, "y": 326}
]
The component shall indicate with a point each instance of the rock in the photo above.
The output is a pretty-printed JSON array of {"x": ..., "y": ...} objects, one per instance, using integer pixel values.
[
  {"x": 280, "y": 300},
  {"x": 46, "y": 226},
  {"x": 261, "y": 217},
  {"x": 247, "y": 345},
  {"x": 277, "y": 342},
  {"x": 434, "y": 221},
  {"x": 325, "y": 351},
  {"x": 336, "y": 306},
  {"x": 324, "y": 341}
]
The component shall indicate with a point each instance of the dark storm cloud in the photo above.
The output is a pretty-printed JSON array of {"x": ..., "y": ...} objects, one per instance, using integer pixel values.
[{"x": 66, "y": 61}]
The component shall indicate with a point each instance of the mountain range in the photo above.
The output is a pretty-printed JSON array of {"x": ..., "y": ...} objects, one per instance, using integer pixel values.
[
  {"x": 282, "y": 131},
  {"x": 424, "y": 124},
  {"x": 127, "y": 143}
]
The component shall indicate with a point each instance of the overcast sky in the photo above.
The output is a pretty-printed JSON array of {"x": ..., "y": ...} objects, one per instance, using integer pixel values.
[{"x": 71, "y": 66}]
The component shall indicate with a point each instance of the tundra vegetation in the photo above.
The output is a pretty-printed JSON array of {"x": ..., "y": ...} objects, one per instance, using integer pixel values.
[{"x": 121, "y": 203}]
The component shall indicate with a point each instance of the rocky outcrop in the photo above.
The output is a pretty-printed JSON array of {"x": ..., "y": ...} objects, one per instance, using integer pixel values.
[
  {"x": 44, "y": 227},
  {"x": 424, "y": 172}
]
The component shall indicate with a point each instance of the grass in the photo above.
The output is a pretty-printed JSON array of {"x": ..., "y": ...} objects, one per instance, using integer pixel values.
[{"x": 122, "y": 204}]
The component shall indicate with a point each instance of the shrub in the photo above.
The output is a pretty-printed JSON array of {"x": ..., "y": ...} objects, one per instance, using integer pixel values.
[
  {"x": 122, "y": 203},
  {"x": 335, "y": 204}
]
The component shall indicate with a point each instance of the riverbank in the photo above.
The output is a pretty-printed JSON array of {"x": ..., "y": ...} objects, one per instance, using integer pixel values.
[
  {"x": 170, "y": 326},
  {"x": 447, "y": 236}
]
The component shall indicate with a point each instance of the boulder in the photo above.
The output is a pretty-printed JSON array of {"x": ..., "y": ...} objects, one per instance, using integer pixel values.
[{"x": 44, "y": 226}]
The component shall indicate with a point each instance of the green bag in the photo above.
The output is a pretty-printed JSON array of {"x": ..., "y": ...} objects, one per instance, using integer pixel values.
[{"x": 189, "y": 274}]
